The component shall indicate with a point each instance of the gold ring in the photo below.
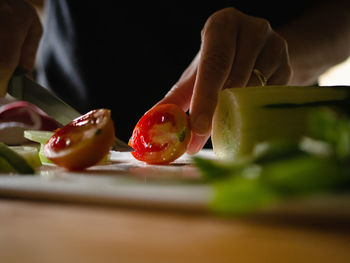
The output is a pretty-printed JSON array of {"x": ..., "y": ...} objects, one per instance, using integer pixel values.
[{"x": 260, "y": 76}]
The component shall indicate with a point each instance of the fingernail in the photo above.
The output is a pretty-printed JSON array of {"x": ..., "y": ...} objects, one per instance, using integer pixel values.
[
  {"x": 193, "y": 149},
  {"x": 196, "y": 144},
  {"x": 201, "y": 124}
]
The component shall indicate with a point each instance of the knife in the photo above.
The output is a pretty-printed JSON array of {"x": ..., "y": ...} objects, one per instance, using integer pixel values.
[{"x": 22, "y": 87}]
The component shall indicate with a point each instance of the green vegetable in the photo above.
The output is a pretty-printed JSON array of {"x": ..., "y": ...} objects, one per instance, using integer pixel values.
[
  {"x": 275, "y": 150},
  {"x": 247, "y": 116},
  {"x": 242, "y": 195},
  {"x": 279, "y": 169},
  {"x": 40, "y": 137},
  {"x": 10, "y": 161},
  {"x": 29, "y": 153},
  {"x": 5, "y": 167},
  {"x": 332, "y": 128}
]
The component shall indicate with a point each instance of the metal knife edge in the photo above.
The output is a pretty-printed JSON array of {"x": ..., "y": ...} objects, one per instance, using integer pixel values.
[{"x": 21, "y": 87}]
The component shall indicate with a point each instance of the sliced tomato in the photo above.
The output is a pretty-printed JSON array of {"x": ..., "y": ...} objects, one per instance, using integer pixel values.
[
  {"x": 161, "y": 135},
  {"x": 83, "y": 142}
]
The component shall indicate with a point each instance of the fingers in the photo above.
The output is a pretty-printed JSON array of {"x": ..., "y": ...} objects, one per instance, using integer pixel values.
[
  {"x": 273, "y": 62},
  {"x": 20, "y": 32},
  {"x": 181, "y": 93},
  {"x": 9, "y": 46},
  {"x": 216, "y": 58},
  {"x": 31, "y": 43},
  {"x": 283, "y": 73},
  {"x": 233, "y": 45},
  {"x": 251, "y": 39},
  {"x": 197, "y": 142}
]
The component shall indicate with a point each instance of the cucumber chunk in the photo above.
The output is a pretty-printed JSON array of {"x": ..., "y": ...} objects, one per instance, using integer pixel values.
[
  {"x": 29, "y": 153},
  {"x": 40, "y": 137},
  {"x": 247, "y": 116},
  {"x": 14, "y": 160},
  {"x": 5, "y": 167}
]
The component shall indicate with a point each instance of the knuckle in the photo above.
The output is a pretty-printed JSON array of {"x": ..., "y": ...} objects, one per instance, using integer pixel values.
[
  {"x": 262, "y": 29},
  {"x": 38, "y": 29},
  {"x": 279, "y": 46},
  {"x": 29, "y": 15},
  {"x": 221, "y": 19},
  {"x": 18, "y": 14},
  {"x": 222, "y": 16},
  {"x": 228, "y": 14},
  {"x": 263, "y": 25}
]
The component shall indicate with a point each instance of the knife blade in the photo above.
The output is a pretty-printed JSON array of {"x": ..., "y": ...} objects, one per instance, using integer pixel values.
[{"x": 22, "y": 87}]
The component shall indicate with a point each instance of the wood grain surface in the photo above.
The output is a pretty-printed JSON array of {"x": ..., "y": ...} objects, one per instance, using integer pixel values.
[{"x": 33, "y": 231}]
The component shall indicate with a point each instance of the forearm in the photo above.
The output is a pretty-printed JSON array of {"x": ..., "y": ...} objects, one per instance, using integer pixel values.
[{"x": 318, "y": 40}]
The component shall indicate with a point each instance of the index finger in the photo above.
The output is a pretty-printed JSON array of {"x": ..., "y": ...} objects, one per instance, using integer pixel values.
[{"x": 216, "y": 58}]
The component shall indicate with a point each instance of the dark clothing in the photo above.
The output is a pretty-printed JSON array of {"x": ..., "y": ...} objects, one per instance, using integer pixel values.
[{"x": 126, "y": 56}]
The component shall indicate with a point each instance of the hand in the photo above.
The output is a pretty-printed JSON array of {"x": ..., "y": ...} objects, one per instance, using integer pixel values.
[
  {"x": 20, "y": 33},
  {"x": 233, "y": 45}
]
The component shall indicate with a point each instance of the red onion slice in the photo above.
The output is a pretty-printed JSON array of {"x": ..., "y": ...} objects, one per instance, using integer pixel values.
[{"x": 15, "y": 117}]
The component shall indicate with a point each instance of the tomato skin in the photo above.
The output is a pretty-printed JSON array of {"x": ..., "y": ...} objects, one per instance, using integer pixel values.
[
  {"x": 161, "y": 135},
  {"x": 83, "y": 142}
]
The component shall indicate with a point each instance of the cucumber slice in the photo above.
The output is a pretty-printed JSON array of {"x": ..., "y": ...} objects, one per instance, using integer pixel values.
[
  {"x": 16, "y": 161},
  {"x": 5, "y": 167},
  {"x": 29, "y": 153},
  {"x": 247, "y": 116},
  {"x": 38, "y": 136},
  {"x": 42, "y": 156}
]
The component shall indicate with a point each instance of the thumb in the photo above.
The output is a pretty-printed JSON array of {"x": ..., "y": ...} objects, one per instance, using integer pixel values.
[{"x": 181, "y": 93}]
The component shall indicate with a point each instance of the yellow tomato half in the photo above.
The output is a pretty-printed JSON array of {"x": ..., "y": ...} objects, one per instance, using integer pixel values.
[{"x": 83, "y": 142}]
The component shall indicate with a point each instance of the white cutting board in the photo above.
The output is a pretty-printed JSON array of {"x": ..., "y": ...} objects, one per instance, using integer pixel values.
[
  {"x": 128, "y": 182},
  {"x": 125, "y": 181}
]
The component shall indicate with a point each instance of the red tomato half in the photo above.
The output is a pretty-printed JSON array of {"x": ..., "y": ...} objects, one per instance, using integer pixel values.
[
  {"x": 161, "y": 135},
  {"x": 83, "y": 142}
]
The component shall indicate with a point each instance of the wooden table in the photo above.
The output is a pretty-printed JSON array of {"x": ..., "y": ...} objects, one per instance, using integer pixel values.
[{"x": 34, "y": 231}]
